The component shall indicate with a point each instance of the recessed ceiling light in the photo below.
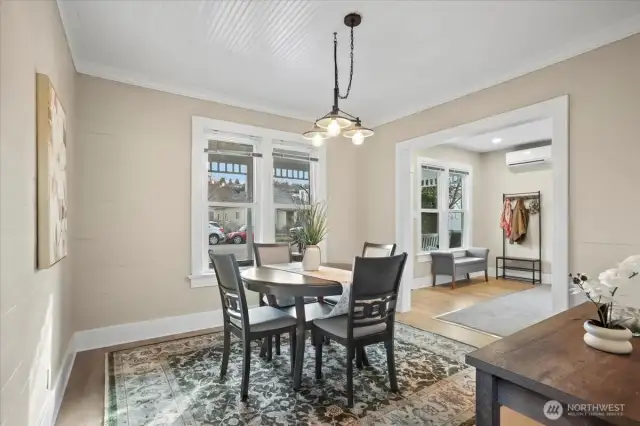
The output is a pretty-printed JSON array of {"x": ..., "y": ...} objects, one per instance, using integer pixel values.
[{"x": 496, "y": 140}]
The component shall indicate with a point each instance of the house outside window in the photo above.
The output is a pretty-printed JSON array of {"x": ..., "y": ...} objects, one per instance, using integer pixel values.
[{"x": 443, "y": 205}]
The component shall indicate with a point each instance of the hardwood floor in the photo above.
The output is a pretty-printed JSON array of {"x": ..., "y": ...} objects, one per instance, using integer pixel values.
[{"x": 83, "y": 402}]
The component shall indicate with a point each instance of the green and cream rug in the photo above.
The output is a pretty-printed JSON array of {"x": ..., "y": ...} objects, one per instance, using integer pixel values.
[{"x": 177, "y": 383}]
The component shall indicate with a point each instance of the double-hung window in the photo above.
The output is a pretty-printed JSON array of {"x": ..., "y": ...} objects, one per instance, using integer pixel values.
[
  {"x": 443, "y": 205},
  {"x": 248, "y": 183}
]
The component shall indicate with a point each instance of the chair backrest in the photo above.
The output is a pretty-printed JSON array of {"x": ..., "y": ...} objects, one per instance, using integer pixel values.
[
  {"x": 234, "y": 301},
  {"x": 378, "y": 250},
  {"x": 374, "y": 291},
  {"x": 272, "y": 253}
]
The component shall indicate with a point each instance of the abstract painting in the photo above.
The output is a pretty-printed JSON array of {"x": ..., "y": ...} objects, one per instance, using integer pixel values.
[{"x": 52, "y": 174}]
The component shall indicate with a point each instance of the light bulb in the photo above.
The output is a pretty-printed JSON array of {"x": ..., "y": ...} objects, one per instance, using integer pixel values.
[
  {"x": 334, "y": 127},
  {"x": 357, "y": 138},
  {"x": 316, "y": 140}
]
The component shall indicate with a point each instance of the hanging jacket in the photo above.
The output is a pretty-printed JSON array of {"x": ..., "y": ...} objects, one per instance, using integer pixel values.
[
  {"x": 505, "y": 218},
  {"x": 519, "y": 222}
]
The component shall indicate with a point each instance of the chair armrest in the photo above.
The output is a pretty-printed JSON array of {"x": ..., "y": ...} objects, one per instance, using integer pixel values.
[
  {"x": 478, "y": 252},
  {"x": 442, "y": 263}
]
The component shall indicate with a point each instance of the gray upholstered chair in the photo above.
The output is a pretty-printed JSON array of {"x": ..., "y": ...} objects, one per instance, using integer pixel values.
[
  {"x": 371, "y": 316},
  {"x": 246, "y": 324},
  {"x": 369, "y": 250},
  {"x": 445, "y": 263}
]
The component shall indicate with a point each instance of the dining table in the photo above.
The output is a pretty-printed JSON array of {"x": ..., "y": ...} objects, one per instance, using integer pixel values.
[{"x": 291, "y": 281}]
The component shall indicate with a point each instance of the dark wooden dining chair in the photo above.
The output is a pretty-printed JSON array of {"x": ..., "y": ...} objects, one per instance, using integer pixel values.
[
  {"x": 369, "y": 250},
  {"x": 247, "y": 324},
  {"x": 273, "y": 254},
  {"x": 374, "y": 292}
]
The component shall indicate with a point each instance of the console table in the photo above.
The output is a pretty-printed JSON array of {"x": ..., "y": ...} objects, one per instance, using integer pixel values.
[{"x": 550, "y": 361}]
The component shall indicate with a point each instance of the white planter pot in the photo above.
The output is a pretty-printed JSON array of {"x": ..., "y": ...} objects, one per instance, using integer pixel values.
[
  {"x": 311, "y": 259},
  {"x": 615, "y": 341}
]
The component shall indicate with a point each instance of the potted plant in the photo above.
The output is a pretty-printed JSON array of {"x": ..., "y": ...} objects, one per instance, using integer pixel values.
[
  {"x": 311, "y": 231},
  {"x": 607, "y": 333}
]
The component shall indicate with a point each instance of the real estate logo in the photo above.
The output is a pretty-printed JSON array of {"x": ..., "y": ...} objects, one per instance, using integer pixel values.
[{"x": 552, "y": 410}]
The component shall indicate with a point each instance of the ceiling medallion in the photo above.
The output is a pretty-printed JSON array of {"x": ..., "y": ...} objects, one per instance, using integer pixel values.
[{"x": 337, "y": 121}]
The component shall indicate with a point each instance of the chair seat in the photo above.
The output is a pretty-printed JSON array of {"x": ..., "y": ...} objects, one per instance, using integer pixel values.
[
  {"x": 265, "y": 318},
  {"x": 468, "y": 261},
  {"x": 312, "y": 311},
  {"x": 338, "y": 327},
  {"x": 333, "y": 300}
]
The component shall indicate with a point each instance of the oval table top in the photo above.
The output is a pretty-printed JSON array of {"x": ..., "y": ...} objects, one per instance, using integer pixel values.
[{"x": 263, "y": 279}]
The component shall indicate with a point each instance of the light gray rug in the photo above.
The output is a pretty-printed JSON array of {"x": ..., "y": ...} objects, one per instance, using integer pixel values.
[{"x": 505, "y": 315}]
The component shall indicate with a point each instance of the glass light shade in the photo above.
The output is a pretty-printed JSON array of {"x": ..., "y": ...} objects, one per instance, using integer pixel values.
[
  {"x": 334, "y": 128},
  {"x": 357, "y": 138},
  {"x": 342, "y": 122},
  {"x": 316, "y": 136}
]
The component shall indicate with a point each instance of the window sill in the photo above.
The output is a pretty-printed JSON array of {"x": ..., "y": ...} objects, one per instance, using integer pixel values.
[
  {"x": 207, "y": 279},
  {"x": 425, "y": 256}
]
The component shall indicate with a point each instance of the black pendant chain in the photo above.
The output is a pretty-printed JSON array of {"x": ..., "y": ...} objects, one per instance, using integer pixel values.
[{"x": 335, "y": 58}]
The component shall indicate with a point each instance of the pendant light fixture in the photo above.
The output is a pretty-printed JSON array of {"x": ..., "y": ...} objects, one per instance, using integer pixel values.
[{"x": 337, "y": 121}]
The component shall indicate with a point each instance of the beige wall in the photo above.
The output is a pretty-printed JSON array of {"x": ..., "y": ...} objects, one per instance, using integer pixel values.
[
  {"x": 133, "y": 236},
  {"x": 497, "y": 179},
  {"x": 604, "y": 96},
  {"x": 34, "y": 304}
]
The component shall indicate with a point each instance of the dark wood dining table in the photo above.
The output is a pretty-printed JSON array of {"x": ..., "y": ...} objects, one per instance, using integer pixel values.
[{"x": 280, "y": 283}]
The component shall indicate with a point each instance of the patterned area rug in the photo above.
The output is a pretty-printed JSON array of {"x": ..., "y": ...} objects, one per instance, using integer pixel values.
[{"x": 178, "y": 383}]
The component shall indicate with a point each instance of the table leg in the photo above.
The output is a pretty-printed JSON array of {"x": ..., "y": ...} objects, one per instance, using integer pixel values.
[
  {"x": 487, "y": 407},
  {"x": 300, "y": 342}
]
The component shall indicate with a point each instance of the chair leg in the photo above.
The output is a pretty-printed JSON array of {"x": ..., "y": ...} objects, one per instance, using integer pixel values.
[
  {"x": 277, "y": 344},
  {"x": 225, "y": 354},
  {"x": 468, "y": 276},
  {"x": 433, "y": 280},
  {"x": 365, "y": 359},
  {"x": 453, "y": 282},
  {"x": 391, "y": 365},
  {"x": 359, "y": 358},
  {"x": 292, "y": 349},
  {"x": 317, "y": 340},
  {"x": 269, "y": 348},
  {"x": 263, "y": 348},
  {"x": 350, "y": 376},
  {"x": 486, "y": 275},
  {"x": 246, "y": 366}
]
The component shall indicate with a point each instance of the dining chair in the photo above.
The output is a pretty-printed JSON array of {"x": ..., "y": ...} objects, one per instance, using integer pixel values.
[
  {"x": 273, "y": 254},
  {"x": 371, "y": 316},
  {"x": 369, "y": 250},
  {"x": 247, "y": 324}
]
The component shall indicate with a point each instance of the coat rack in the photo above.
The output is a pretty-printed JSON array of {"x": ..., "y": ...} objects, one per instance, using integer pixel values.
[{"x": 508, "y": 261}]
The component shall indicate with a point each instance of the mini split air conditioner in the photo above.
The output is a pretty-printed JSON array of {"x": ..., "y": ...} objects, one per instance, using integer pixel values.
[{"x": 529, "y": 159}]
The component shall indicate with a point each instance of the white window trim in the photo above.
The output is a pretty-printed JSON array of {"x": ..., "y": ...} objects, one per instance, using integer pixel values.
[
  {"x": 443, "y": 200},
  {"x": 202, "y": 129}
]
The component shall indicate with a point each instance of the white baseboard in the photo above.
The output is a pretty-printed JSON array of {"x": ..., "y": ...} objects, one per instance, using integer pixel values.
[
  {"x": 56, "y": 393},
  {"x": 144, "y": 330}
]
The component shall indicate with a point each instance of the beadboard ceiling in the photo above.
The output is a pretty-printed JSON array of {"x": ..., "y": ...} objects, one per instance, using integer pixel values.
[{"x": 276, "y": 56}]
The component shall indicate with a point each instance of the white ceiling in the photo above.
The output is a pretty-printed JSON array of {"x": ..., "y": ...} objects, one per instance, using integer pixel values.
[
  {"x": 276, "y": 56},
  {"x": 509, "y": 137}
]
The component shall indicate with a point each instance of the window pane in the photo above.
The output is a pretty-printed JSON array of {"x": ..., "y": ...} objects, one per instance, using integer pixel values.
[
  {"x": 429, "y": 227},
  {"x": 233, "y": 180},
  {"x": 231, "y": 231},
  {"x": 429, "y": 193},
  {"x": 456, "y": 227},
  {"x": 292, "y": 186},
  {"x": 456, "y": 190},
  {"x": 286, "y": 222}
]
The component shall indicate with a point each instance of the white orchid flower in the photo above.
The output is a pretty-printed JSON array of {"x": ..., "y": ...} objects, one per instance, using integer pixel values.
[
  {"x": 630, "y": 265},
  {"x": 612, "y": 278}
]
